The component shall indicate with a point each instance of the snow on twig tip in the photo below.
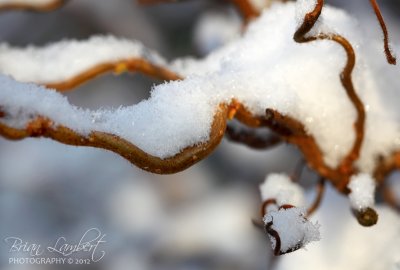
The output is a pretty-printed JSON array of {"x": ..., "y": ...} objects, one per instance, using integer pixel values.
[
  {"x": 289, "y": 229},
  {"x": 362, "y": 198},
  {"x": 362, "y": 188},
  {"x": 281, "y": 188},
  {"x": 303, "y": 7},
  {"x": 265, "y": 68}
]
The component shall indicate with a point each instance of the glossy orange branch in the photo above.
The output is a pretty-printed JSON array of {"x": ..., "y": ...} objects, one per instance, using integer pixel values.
[
  {"x": 45, "y": 127},
  {"x": 389, "y": 56},
  {"x": 55, "y": 4},
  {"x": 246, "y": 9},
  {"x": 309, "y": 21},
  {"x": 294, "y": 132},
  {"x": 290, "y": 130},
  {"x": 386, "y": 165},
  {"x": 132, "y": 65}
]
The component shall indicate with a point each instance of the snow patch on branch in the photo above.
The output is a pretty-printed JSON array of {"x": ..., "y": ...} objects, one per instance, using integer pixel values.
[
  {"x": 303, "y": 7},
  {"x": 294, "y": 230},
  {"x": 65, "y": 59},
  {"x": 362, "y": 188},
  {"x": 281, "y": 188},
  {"x": 265, "y": 68}
]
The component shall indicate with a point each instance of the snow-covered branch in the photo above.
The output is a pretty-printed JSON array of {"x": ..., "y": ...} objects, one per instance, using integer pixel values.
[
  {"x": 69, "y": 63},
  {"x": 285, "y": 74}
]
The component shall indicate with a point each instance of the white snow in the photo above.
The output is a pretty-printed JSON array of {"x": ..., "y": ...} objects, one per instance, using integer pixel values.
[
  {"x": 65, "y": 59},
  {"x": 294, "y": 230},
  {"x": 362, "y": 188},
  {"x": 281, "y": 188},
  {"x": 263, "y": 69},
  {"x": 215, "y": 29},
  {"x": 302, "y": 8},
  {"x": 260, "y": 4},
  {"x": 347, "y": 245}
]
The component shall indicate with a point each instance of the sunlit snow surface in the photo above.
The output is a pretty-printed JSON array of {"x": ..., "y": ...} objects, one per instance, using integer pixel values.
[
  {"x": 345, "y": 244},
  {"x": 281, "y": 188},
  {"x": 263, "y": 69},
  {"x": 294, "y": 230},
  {"x": 362, "y": 188}
]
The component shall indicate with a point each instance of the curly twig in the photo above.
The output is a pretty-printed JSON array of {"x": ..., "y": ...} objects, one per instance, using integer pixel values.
[
  {"x": 389, "y": 56},
  {"x": 309, "y": 21},
  {"x": 274, "y": 234},
  {"x": 298, "y": 170},
  {"x": 44, "y": 127},
  {"x": 320, "y": 193},
  {"x": 132, "y": 65},
  {"x": 246, "y": 9},
  {"x": 264, "y": 205}
]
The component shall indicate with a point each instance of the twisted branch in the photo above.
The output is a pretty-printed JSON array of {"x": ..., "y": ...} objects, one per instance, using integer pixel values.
[
  {"x": 45, "y": 127},
  {"x": 129, "y": 65},
  {"x": 289, "y": 129},
  {"x": 388, "y": 53},
  {"x": 320, "y": 193},
  {"x": 246, "y": 9},
  {"x": 309, "y": 21}
]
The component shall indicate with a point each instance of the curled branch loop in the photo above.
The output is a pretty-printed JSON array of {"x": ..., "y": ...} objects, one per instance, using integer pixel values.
[
  {"x": 388, "y": 53},
  {"x": 309, "y": 21},
  {"x": 320, "y": 193},
  {"x": 44, "y": 127},
  {"x": 132, "y": 65}
]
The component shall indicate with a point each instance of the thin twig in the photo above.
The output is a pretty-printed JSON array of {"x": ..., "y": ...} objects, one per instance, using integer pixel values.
[
  {"x": 318, "y": 199},
  {"x": 264, "y": 205},
  {"x": 298, "y": 170},
  {"x": 246, "y": 9},
  {"x": 389, "y": 56},
  {"x": 346, "y": 166},
  {"x": 132, "y": 65}
]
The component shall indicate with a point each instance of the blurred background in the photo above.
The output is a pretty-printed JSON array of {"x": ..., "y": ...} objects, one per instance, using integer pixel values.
[{"x": 197, "y": 219}]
